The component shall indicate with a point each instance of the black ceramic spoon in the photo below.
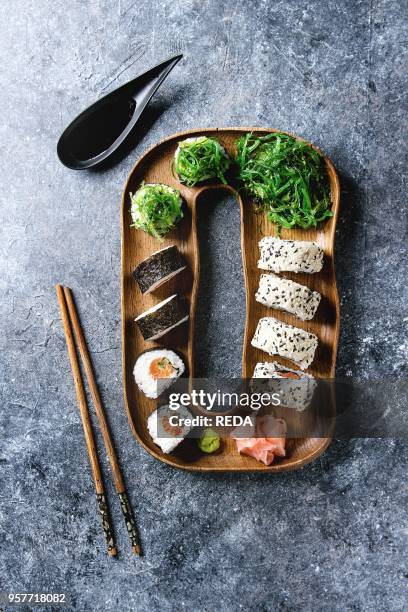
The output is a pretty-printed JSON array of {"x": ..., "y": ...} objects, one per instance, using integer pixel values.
[{"x": 103, "y": 127}]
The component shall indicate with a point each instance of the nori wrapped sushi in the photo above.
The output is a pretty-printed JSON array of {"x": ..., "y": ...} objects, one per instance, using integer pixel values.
[
  {"x": 162, "y": 317},
  {"x": 163, "y": 433},
  {"x": 156, "y": 370},
  {"x": 158, "y": 268}
]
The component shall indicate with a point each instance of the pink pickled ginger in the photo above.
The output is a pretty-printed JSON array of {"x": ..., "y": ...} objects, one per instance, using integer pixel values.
[{"x": 258, "y": 444}]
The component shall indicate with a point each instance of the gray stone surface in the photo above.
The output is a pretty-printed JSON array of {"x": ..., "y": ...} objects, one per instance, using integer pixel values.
[{"x": 332, "y": 536}]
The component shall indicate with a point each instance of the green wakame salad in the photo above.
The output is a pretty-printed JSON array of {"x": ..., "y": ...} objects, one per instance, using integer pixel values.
[
  {"x": 200, "y": 159},
  {"x": 155, "y": 209},
  {"x": 287, "y": 179}
]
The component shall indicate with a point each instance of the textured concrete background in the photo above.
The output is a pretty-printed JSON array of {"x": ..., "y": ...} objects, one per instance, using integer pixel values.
[{"x": 330, "y": 537}]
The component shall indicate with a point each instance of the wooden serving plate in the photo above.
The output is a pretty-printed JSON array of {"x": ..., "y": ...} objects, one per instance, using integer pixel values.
[{"x": 155, "y": 166}]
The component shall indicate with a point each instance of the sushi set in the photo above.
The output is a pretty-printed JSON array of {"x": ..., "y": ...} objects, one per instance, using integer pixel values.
[{"x": 288, "y": 194}]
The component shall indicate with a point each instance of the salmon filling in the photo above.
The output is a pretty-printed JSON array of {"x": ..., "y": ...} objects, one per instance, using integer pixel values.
[
  {"x": 173, "y": 430},
  {"x": 289, "y": 375},
  {"x": 161, "y": 368}
]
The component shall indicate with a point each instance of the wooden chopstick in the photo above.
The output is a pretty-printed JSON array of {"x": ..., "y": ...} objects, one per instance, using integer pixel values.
[
  {"x": 87, "y": 426},
  {"x": 100, "y": 412}
]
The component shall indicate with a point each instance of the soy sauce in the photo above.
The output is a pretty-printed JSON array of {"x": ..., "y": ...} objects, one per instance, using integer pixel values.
[{"x": 101, "y": 129}]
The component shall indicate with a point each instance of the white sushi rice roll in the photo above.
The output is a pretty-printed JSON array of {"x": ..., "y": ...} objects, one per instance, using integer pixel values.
[
  {"x": 284, "y": 294},
  {"x": 166, "y": 435},
  {"x": 295, "y": 388},
  {"x": 156, "y": 370},
  {"x": 280, "y": 255},
  {"x": 277, "y": 338}
]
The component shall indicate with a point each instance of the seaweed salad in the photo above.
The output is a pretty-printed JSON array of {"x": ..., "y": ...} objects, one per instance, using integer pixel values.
[{"x": 287, "y": 179}]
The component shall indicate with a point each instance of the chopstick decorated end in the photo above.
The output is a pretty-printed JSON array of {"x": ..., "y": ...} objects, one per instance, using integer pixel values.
[
  {"x": 130, "y": 523},
  {"x": 106, "y": 524}
]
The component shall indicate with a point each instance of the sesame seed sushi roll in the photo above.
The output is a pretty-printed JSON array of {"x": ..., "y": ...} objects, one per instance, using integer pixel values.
[
  {"x": 156, "y": 370},
  {"x": 159, "y": 268},
  {"x": 166, "y": 427},
  {"x": 295, "y": 388},
  {"x": 280, "y": 255},
  {"x": 162, "y": 317},
  {"x": 284, "y": 294},
  {"x": 277, "y": 338}
]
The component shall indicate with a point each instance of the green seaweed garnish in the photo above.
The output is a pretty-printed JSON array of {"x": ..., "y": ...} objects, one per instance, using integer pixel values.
[
  {"x": 155, "y": 209},
  {"x": 200, "y": 159},
  {"x": 287, "y": 179}
]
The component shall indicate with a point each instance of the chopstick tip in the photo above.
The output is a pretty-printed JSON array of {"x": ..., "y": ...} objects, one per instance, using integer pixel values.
[
  {"x": 137, "y": 550},
  {"x": 112, "y": 552}
]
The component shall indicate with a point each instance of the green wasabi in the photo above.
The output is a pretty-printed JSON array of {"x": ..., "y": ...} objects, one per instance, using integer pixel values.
[{"x": 209, "y": 441}]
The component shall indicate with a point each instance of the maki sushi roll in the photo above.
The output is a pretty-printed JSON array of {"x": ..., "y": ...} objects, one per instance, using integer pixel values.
[
  {"x": 156, "y": 370},
  {"x": 200, "y": 159},
  {"x": 166, "y": 427},
  {"x": 284, "y": 294},
  {"x": 162, "y": 317},
  {"x": 277, "y": 338},
  {"x": 295, "y": 392},
  {"x": 158, "y": 268},
  {"x": 155, "y": 209},
  {"x": 280, "y": 255}
]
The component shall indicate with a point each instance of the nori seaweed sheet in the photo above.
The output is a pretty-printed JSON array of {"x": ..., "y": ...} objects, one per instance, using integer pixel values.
[
  {"x": 157, "y": 267},
  {"x": 162, "y": 319}
]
